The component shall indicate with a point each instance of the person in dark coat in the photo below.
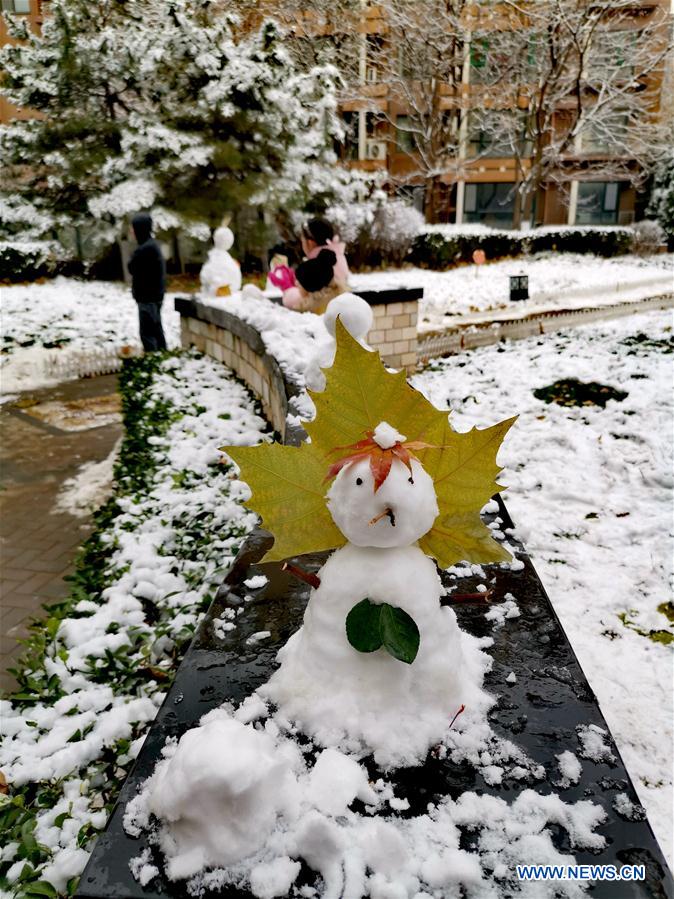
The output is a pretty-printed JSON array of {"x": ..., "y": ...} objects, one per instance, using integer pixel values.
[{"x": 148, "y": 282}]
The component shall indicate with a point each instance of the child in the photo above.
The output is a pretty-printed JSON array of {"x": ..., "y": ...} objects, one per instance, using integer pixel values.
[{"x": 323, "y": 275}]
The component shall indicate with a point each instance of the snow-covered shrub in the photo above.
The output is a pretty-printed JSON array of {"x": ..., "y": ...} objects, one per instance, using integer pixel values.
[
  {"x": 351, "y": 221},
  {"x": 442, "y": 246},
  {"x": 596, "y": 239},
  {"x": 19, "y": 217},
  {"x": 377, "y": 232},
  {"x": 394, "y": 228},
  {"x": 94, "y": 672},
  {"x": 648, "y": 237},
  {"x": 661, "y": 205},
  {"x": 26, "y": 260}
]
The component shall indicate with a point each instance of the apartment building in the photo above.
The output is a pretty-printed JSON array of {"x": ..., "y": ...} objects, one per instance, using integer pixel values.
[{"x": 595, "y": 179}]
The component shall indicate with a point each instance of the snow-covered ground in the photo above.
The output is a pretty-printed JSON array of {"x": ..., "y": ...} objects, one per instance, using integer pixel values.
[
  {"x": 48, "y": 327},
  {"x": 556, "y": 280},
  {"x": 591, "y": 497},
  {"x": 57, "y": 321}
]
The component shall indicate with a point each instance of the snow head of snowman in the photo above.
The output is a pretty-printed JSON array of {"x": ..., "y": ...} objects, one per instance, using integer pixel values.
[
  {"x": 381, "y": 495},
  {"x": 223, "y": 238}
]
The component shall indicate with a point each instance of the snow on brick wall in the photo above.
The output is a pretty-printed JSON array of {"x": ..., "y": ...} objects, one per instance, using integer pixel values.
[{"x": 239, "y": 345}]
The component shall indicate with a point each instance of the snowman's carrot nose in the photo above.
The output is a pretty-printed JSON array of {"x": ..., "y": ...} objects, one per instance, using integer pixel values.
[{"x": 383, "y": 514}]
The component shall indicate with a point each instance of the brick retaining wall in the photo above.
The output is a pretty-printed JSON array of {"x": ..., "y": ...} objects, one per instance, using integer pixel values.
[{"x": 239, "y": 345}]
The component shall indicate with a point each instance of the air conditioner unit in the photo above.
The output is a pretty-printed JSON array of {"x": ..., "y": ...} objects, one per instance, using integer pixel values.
[
  {"x": 371, "y": 74},
  {"x": 375, "y": 149}
]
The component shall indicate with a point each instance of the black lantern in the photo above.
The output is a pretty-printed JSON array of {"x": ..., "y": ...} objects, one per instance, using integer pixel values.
[{"x": 519, "y": 287}]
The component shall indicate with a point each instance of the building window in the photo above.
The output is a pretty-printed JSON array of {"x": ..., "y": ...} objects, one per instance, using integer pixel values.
[
  {"x": 482, "y": 140},
  {"x": 498, "y": 133},
  {"x": 404, "y": 137},
  {"x": 598, "y": 202},
  {"x": 479, "y": 59},
  {"x": 374, "y": 49},
  {"x": 489, "y": 204},
  {"x": 495, "y": 55},
  {"x": 613, "y": 54},
  {"x": 536, "y": 47},
  {"x": 609, "y": 134},
  {"x": 376, "y": 126},
  {"x": 349, "y": 146},
  {"x": 21, "y": 6}
]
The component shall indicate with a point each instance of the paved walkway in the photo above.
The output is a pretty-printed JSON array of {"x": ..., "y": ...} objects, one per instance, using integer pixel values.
[{"x": 37, "y": 545}]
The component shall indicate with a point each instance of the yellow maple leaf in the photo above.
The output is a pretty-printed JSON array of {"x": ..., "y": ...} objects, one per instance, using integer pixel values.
[{"x": 288, "y": 483}]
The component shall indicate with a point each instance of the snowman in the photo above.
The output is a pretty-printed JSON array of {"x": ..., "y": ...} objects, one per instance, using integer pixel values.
[
  {"x": 378, "y": 661},
  {"x": 221, "y": 274},
  {"x": 356, "y": 316},
  {"x": 379, "y": 665}
]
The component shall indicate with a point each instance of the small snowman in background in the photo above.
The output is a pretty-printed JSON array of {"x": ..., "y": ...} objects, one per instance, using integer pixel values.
[
  {"x": 221, "y": 274},
  {"x": 356, "y": 316}
]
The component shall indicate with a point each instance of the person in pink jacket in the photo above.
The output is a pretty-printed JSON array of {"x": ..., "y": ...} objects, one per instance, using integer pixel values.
[{"x": 323, "y": 274}]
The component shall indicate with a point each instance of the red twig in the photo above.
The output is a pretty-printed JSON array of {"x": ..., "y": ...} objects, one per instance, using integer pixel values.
[
  {"x": 470, "y": 597},
  {"x": 312, "y": 579},
  {"x": 462, "y": 708}
]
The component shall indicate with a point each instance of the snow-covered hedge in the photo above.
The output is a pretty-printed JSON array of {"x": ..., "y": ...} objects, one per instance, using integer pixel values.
[
  {"x": 26, "y": 260},
  {"x": 377, "y": 232},
  {"x": 442, "y": 246},
  {"x": 600, "y": 241},
  {"x": 96, "y": 668}
]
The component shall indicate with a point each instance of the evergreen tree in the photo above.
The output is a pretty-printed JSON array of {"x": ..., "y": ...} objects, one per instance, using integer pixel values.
[{"x": 162, "y": 104}]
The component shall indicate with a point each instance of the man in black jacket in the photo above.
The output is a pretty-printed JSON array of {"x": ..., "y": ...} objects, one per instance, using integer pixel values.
[{"x": 148, "y": 281}]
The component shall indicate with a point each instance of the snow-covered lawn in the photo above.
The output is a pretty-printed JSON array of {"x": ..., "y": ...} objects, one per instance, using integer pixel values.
[
  {"x": 77, "y": 314},
  {"x": 99, "y": 667},
  {"x": 591, "y": 497},
  {"x": 48, "y": 324},
  {"x": 555, "y": 280},
  {"x": 54, "y": 320}
]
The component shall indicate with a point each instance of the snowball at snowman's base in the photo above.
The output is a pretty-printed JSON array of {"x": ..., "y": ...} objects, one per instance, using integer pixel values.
[
  {"x": 307, "y": 817},
  {"x": 220, "y": 792},
  {"x": 373, "y": 702}
]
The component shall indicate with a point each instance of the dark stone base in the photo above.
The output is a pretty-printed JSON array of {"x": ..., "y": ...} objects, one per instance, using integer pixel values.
[{"x": 540, "y": 713}]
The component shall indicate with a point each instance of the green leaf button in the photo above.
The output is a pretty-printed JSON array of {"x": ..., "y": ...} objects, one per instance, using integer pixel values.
[{"x": 372, "y": 625}]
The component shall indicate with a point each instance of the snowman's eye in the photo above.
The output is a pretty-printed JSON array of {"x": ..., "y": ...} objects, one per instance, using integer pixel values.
[
  {"x": 411, "y": 479},
  {"x": 359, "y": 481}
]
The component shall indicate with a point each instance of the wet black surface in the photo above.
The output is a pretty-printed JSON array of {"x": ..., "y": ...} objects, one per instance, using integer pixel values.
[{"x": 539, "y": 712}]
